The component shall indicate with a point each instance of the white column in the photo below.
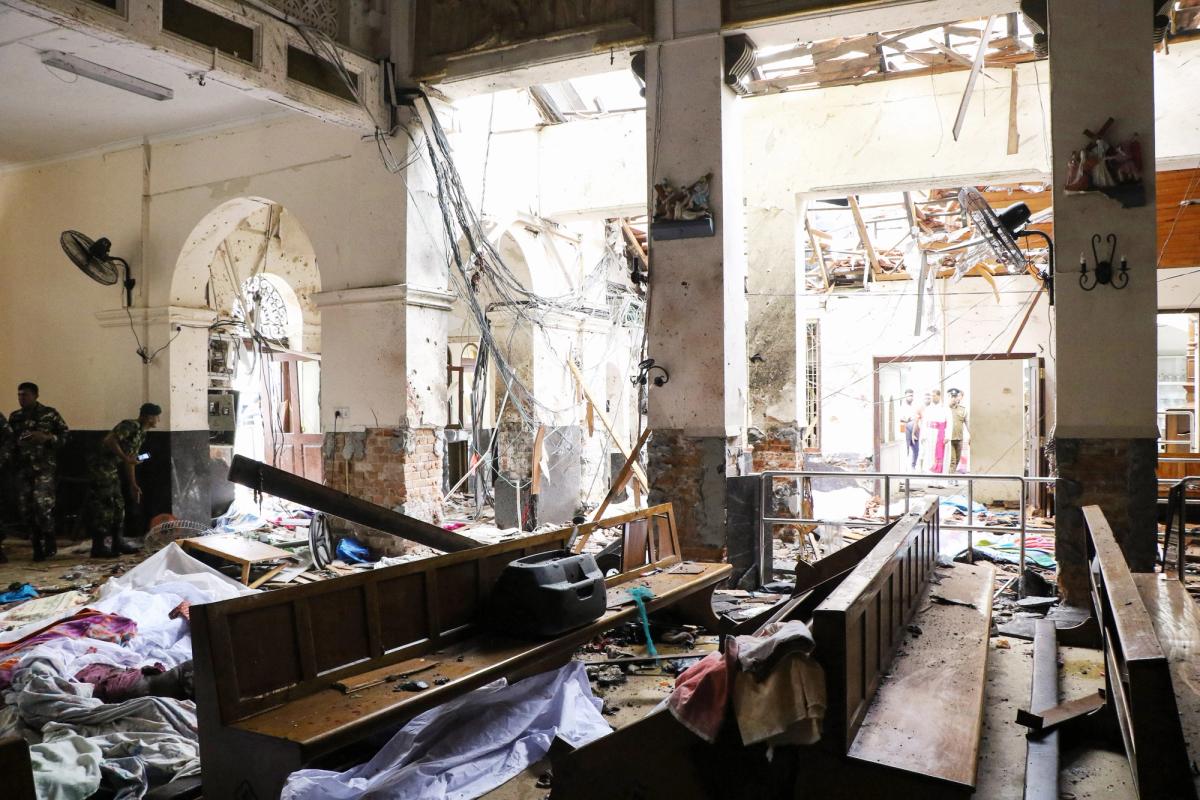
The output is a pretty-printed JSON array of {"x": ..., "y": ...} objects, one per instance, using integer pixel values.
[{"x": 1101, "y": 66}]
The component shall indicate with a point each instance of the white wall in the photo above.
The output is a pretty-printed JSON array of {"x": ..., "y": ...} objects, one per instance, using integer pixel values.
[
  {"x": 154, "y": 203},
  {"x": 48, "y": 330}
]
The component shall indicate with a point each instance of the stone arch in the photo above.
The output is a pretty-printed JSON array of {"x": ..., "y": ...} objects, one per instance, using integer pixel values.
[{"x": 242, "y": 237}]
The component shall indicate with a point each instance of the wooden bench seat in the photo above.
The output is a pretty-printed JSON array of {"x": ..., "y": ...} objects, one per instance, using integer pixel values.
[
  {"x": 297, "y": 675},
  {"x": 1176, "y": 620},
  {"x": 1143, "y": 676}
]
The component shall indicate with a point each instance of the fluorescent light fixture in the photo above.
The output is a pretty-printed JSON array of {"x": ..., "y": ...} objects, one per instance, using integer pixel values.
[{"x": 102, "y": 74}]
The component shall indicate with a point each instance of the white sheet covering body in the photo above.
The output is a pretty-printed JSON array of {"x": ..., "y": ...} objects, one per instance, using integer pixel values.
[
  {"x": 470, "y": 745},
  {"x": 77, "y": 741}
]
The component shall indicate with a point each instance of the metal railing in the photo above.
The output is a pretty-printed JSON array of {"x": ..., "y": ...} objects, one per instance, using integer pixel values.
[{"x": 766, "y": 495}]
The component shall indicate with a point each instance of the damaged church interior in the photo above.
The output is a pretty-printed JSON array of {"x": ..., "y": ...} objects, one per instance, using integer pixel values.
[{"x": 716, "y": 399}]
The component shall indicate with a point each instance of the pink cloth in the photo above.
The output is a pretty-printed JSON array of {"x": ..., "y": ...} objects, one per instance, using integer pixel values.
[
  {"x": 114, "y": 684},
  {"x": 86, "y": 624},
  {"x": 702, "y": 692},
  {"x": 939, "y": 446}
]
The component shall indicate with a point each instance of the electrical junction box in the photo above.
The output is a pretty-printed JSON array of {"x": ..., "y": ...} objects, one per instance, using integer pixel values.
[{"x": 222, "y": 416}]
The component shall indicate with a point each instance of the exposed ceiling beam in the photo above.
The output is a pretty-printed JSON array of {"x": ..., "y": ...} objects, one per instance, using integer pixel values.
[{"x": 976, "y": 68}]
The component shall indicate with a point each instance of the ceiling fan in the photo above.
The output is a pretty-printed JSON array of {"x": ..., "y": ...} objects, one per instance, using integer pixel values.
[{"x": 94, "y": 260}]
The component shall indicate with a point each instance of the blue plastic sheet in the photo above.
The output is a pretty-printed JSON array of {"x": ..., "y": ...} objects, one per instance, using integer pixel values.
[
  {"x": 352, "y": 551},
  {"x": 25, "y": 592}
]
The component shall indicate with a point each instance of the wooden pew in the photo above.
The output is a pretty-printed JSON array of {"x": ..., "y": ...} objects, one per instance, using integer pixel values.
[
  {"x": 904, "y": 714},
  {"x": 268, "y": 666},
  {"x": 914, "y": 734},
  {"x": 1151, "y": 664}
]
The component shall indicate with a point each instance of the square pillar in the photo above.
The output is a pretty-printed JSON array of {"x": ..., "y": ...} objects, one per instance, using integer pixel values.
[
  {"x": 697, "y": 307},
  {"x": 1105, "y": 437},
  {"x": 383, "y": 387}
]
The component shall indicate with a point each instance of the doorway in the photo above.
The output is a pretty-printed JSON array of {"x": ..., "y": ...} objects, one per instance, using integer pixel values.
[{"x": 1003, "y": 398}]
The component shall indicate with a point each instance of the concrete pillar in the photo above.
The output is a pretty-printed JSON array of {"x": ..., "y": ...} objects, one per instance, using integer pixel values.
[
  {"x": 697, "y": 317},
  {"x": 1101, "y": 66},
  {"x": 774, "y": 332}
]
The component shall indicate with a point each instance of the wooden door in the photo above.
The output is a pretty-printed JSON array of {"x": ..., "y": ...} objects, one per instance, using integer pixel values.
[{"x": 288, "y": 447}]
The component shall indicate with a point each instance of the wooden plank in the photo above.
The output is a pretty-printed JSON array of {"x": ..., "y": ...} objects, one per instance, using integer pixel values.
[
  {"x": 976, "y": 68},
  {"x": 815, "y": 246},
  {"x": 607, "y": 423},
  {"x": 1014, "y": 139},
  {"x": 356, "y": 683},
  {"x": 1052, "y": 717},
  {"x": 266, "y": 576},
  {"x": 535, "y": 483},
  {"x": 622, "y": 476},
  {"x": 927, "y": 718},
  {"x": 633, "y": 242},
  {"x": 859, "y": 223},
  {"x": 235, "y": 548}
]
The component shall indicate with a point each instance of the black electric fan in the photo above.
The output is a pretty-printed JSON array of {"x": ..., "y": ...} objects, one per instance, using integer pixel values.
[
  {"x": 95, "y": 261},
  {"x": 1000, "y": 230}
]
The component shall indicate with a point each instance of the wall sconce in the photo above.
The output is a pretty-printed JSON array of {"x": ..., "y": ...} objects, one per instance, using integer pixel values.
[
  {"x": 644, "y": 370},
  {"x": 1103, "y": 273}
]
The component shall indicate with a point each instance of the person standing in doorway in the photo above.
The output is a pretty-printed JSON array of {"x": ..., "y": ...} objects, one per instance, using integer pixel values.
[
  {"x": 106, "y": 502},
  {"x": 958, "y": 427},
  {"x": 39, "y": 432},
  {"x": 910, "y": 426},
  {"x": 934, "y": 421}
]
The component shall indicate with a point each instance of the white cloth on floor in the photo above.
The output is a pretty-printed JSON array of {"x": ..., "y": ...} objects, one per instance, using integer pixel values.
[
  {"x": 79, "y": 740},
  {"x": 469, "y": 745}
]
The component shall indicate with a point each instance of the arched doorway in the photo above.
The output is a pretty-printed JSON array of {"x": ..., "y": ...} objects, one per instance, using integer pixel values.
[{"x": 252, "y": 264}]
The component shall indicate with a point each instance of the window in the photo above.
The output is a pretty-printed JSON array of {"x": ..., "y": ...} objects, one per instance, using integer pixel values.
[{"x": 812, "y": 385}]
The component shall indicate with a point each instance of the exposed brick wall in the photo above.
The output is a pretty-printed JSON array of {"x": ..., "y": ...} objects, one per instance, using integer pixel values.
[
  {"x": 777, "y": 448},
  {"x": 399, "y": 468},
  {"x": 1119, "y": 476},
  {"x": 689, "y": 472}
]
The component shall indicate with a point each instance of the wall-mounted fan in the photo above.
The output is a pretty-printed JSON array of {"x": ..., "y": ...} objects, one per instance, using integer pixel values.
[
  {"x": 1000, "y": 230},
  {"x": 95, "y": 261}
]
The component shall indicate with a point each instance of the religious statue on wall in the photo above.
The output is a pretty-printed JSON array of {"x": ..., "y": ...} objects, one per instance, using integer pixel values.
[{"x": 1114, "y": 170}]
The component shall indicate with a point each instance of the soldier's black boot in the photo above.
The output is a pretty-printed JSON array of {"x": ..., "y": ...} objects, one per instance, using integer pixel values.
[
  {"x": 99, "y": 548},
  {"x": 50, "y": 545},
  {"x": 39, "y": 554},
  {"x": 121, "y": 547}
]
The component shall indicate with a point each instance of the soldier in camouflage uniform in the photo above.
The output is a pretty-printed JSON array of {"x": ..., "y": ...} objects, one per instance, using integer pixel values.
[
  {"x": 6, "y": 447},
  {"x": 106, "y": 503},
  {"x": 39, "y": 432}
]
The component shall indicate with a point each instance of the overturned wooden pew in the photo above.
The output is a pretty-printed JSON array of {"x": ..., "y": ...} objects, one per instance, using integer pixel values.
[{"x": 300, "y": 676}]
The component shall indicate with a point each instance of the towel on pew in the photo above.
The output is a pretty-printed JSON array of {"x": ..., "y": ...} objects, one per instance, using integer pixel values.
[
  {"x": 470, "y": 745},
  {"x": 779, "y": 697},
  {"x": 776, "y": 688}
]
